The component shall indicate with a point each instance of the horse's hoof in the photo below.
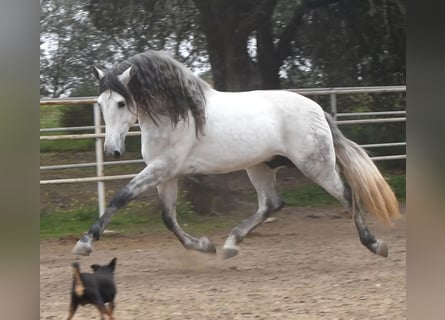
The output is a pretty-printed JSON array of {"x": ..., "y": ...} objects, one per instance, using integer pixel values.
[
  {"x": 381, "y": 248},
  {"x": 207, "y": 245},
  {"x": 230, "y": 252},
  {"x": 83, "y": 247}
]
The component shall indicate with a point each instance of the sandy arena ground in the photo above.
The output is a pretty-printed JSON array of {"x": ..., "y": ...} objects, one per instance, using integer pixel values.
[{"x": 308, "y": 264}]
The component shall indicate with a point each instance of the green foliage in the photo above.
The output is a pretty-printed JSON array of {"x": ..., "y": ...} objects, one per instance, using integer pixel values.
[
  {"x": 308, "y": 195},
  {"x": 135, "y": 218},
  {"x": 313, "y": 195},
  {"x": 54, "y": 116},
  {"x": 355, "y": 43},
  {"x": 317, "y": 43},
  {"x": 377, "y": 132},
  {"x": 78, "y": 116},
  {"x": 50, "y": 116},
  {"x": 67, "y": 145},
  {"x": 68, "y": 222},
  {"x": 398, "y": 184},
  {"x": 384, "y": 132},
  {"x": 133, "y": 144},
  {"x": 139, "y": 217}
]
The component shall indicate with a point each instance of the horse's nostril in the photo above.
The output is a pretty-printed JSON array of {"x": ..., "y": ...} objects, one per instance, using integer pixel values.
[{"x": 116, "y": 154}]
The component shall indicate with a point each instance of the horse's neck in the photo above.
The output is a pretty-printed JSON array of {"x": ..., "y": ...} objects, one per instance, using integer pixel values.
[
  {"x": 162, "y": 125},
  {"x": 163, "y": 128},
  {"x": 164, "y": 139}
]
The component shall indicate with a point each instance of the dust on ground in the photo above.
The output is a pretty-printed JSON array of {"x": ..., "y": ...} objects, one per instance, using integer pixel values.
[{"x": 308, "y": 264}]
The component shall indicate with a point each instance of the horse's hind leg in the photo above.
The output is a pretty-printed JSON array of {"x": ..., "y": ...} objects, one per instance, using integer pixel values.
[
  {"x": 263, "y": 179},
  {"x": 168, "y": 194},
  {"x": 374, "y": 245},
  {"x": 323, "y": 172}
]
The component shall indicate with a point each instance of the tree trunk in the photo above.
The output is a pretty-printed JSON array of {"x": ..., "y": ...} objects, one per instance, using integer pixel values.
[
  {"x": 268, "y": 64},
  {"x": 227, "y": 26},
  {"x": 232, "y": 68}
]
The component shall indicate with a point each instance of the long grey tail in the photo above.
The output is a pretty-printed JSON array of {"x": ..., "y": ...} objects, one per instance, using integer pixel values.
[{"x": 369, "y": 187}]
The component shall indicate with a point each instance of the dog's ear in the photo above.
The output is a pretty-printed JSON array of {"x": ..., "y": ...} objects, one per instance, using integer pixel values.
[
  {"x": 112, "y": 264},
  {"x": 95, "y": 267}
]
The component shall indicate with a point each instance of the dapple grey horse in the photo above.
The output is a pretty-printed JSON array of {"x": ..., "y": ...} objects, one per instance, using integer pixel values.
[{"x": 189, "y": 128}]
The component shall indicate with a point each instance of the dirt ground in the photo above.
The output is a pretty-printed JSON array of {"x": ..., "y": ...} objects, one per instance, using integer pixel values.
[{"x": 308, "y": 264}]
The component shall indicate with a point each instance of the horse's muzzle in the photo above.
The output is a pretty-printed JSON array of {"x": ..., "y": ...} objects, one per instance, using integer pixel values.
[
  {"x": 114, "y": 146},
  {"x": 116, "y": 154}
]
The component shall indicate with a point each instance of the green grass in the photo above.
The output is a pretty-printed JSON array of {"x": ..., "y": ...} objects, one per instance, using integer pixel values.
[
  {"x": 133, "y": 219},
  {"x": 307, "y": 195},
  {"x": 66, "y": 145},
  {"x": 140, "y": 217},
  {"x": 313, "y": 195},
  {"x": 50, "y": 116},
  {"x": 67, "y": 222},
  {"x": 398, "y": 184}
]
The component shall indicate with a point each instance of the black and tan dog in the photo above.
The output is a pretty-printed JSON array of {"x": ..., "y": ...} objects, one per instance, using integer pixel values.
[{"x": 95, "y": 288}]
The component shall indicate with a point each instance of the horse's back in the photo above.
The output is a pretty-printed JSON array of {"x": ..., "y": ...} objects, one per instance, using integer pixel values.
[
  {"x": 246, "y": 128},
  {"x": 278, "y": 114}
]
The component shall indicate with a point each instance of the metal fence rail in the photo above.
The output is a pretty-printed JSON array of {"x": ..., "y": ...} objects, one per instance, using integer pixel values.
[{"x": 46, "y": 134}]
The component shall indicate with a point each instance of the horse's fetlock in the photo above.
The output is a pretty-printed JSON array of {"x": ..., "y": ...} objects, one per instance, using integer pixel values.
[
  {"x": 94, "y": 231},
  {"x": 274, "y": 205}
]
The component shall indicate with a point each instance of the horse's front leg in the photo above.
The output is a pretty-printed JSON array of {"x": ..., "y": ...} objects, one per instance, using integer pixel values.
[
  {"x": 151, "y": 176},
  {"x": 168, "y": 195}
]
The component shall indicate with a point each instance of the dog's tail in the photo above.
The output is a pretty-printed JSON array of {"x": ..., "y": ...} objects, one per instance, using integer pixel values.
[{"x": 79, "y": 288}]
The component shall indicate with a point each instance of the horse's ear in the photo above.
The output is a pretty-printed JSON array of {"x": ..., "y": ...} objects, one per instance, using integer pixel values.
[
  {"x": 125, "y": 76},
  {"x": 99, "y": 74}
]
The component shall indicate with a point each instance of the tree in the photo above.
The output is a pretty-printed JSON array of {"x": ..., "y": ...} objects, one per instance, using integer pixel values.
[
  {"x": 271, "y": 24},
  {"x": 228, "y": 26},
  {"x": 356, "y": 42},
  {"x": 139, "y": 25},
  {"x": 246, "y": 41},
  {"x": 69, "y": 44},
  {"x": 250, "y": 44}
]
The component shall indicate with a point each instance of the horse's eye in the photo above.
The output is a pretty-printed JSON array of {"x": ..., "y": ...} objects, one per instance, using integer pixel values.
[{"x": 121, "y": 104}]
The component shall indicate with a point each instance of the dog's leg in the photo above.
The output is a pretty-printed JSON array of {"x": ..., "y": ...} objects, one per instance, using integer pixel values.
[
  {"x": 102, "y": 310},
  {"x": 111, "y": 309},
  {"x": 73, "y": 308}
]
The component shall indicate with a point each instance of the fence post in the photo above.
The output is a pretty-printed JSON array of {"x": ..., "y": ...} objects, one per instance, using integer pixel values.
[
  {"x": 99, "y": 160},
  {"x": 334, "y": 105}
]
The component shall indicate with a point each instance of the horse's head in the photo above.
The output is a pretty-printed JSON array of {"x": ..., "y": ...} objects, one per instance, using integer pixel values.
[{"x": 118, "y": 109}]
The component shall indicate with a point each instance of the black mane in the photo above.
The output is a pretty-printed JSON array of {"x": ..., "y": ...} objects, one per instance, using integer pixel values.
[{"x": 159, "y": 86}]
